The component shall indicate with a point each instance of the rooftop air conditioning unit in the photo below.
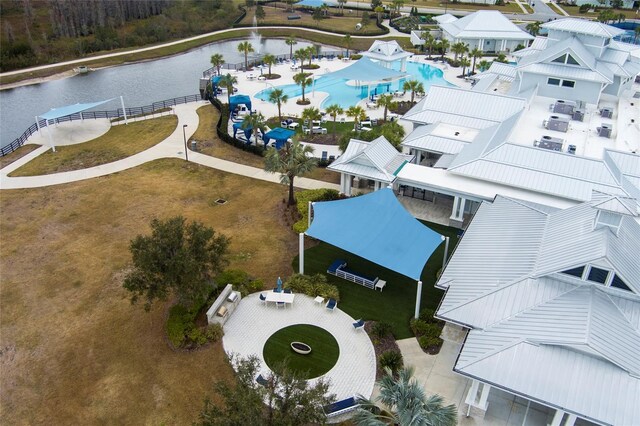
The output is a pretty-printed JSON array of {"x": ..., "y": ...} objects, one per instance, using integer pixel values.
[
  {"x": 564, "y": 107},
  {"x": 549, "y": 142},
  {"x": 559, "y": 124},
  {"x": 578, "y": 115},
  {"x": 606, "y": 112},
  {"x": 605, "y": 130}
]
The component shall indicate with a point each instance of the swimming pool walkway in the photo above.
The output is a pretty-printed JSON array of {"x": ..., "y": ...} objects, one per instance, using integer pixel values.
[
  {"x": 253, "y": 322},
  {"x": 171, "y": 147}
]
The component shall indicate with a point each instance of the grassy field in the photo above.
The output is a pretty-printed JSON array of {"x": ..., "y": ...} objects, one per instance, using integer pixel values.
[
  {"x": 210, "y": 144},
  {"x": 575, "y": 11},
  {"x": 324, "y": 350},
  {"x": 343, "y": 24},
  {"x": 5, "y": 160},
  {"x": 396, "y": 303},
  {"x": 512, "y": 7},
  {"x": 119, "y": 142},
  {"x": 74, "y": 350}
]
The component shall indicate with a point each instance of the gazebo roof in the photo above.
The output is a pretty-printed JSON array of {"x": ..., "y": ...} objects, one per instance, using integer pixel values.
[
  {"x": 378, "y": 228},
  {"x": 387, "y": 51}
]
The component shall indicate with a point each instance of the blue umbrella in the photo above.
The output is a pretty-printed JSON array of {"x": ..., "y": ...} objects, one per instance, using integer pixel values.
[{"x": 279, "y": 285}]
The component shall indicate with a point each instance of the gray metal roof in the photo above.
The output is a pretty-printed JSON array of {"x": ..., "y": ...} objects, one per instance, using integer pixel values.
[
  {"x": 484, "y": 24},
  {"x": 377, "y": 160},
  {"x": 422, "y": 139},
  {"x": 583, "y": 26},
  {"x": 463, "y": 107},
  {"x": 575, "y": 73},
  {"x": 567, "y": 343}
]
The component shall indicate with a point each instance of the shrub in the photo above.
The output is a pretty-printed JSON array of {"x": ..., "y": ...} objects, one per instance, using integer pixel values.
[
  {"x": 178, "y": 323},
  {"x": 584, "y": 8},
  {"x": 427, "y": 315},
  {"x": 214, "y": 332},
  {"x": 197, "y": 336},
  {"x": 392, "y": 360},
  {"x": 313, "y": 286},
  {"x": 240, "y": 280},
  {"x": 380, "y": 329},
  {"x": 355, "y": 57},
  {"x": 423, "y": 328},
  {"x": 426, "y": 342}
]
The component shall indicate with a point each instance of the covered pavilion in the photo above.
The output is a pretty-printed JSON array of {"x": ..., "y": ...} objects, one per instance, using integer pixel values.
[
  {"x": 239, "y": 100},
  {"x": 279, "y": 135},
  {"x": 378, "y": 228},
  {"x": 388, "y": 52}
]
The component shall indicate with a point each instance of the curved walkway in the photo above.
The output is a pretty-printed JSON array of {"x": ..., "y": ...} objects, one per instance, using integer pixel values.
[
  {"x": 252, "y": 323},
  {"x": 171, "y": 147}
]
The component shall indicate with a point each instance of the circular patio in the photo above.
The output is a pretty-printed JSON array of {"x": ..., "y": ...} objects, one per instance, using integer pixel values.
[{"x": 252, "y": 323}]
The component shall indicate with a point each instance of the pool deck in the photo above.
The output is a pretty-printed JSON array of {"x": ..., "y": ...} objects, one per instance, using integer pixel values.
[
  {"x": 253, "y": 322},
  {"x": 252, "y": 86}
]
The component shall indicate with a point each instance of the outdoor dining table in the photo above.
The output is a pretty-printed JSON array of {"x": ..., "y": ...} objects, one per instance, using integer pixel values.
[
  {"x": 293, "y": 125},
  {"x": 280, "y": 297}
]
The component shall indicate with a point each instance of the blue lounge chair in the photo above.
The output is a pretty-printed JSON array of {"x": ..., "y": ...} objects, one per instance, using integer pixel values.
[
  {"x": 331, "y": 304},
  {"x": 340, "y": 407},
  {"x": 358, "y": 325},
  {"x": 263, "y": 297}
]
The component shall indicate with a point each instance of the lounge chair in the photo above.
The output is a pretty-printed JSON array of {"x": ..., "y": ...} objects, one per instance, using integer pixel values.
[
  {"x": 359, "y": 324},
  {"x": 263, "y": 297},
  {"x": 331, "y": 304},
  {"x": 340, "y": 407}
]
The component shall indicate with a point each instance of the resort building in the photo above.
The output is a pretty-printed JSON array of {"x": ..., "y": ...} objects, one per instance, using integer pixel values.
[
  {"x": 548, "y": 301},
  {"x": 487, "y": 30},
  {"x": 518, "y": 134}
]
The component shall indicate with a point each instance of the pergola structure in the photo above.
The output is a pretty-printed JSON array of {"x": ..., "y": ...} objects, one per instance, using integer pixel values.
[{"x": 378, "y": 228}]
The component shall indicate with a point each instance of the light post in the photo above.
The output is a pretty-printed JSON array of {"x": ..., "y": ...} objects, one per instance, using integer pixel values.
[{"x": 184, "y": 136}]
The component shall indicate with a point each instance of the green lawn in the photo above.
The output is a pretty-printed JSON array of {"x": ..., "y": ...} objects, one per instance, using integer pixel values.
[
  {"x": 396, "y": 303},
  {"x": 324, "y": 350}
]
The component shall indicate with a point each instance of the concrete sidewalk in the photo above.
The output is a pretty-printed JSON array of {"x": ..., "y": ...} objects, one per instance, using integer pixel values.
[{"x": 171, "y": 147}]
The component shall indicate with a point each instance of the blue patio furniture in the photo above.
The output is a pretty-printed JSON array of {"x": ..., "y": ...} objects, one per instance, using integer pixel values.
[
  {"x": 331, "y": 304},
  {"x": 261, "y": 380},
  {"x": 337, "y": 264},
  {"x": 263, "y": 298},
  {"x": 277, "y": 290},
  {"x": 340, "y": 407},
  {"x": 359, "y": 325},
  {"x": 324, "y": 155},
  {"x": 280, "y": 305},
  {"x": 287, "y": 291}
]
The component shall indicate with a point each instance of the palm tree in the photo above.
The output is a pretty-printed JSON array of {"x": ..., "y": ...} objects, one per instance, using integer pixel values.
[
  {"x": 227, "y": 82},
  {"x": 293, "y": 160},
  {"x": 379, "y": 10},
  {"x": 358, "y": 115},
  {"x": 347, "y": 41},
  {"x": 533, "y": 27},
  {"x": 397, "y": 4},
  {"x": 217, "y": 61},
  {"x": 270, "y": 60},
  {"x": 278, "y": 97},
  {"x": 300, "y": 55},
  {"x": 341, "y": 4},
  {"x": 303, "y": 81},
  {"x": 387, "y": 102},
  {"x": 443, "y": 46},
  {"x": 246, "y": 48},
  {"x": 458, "y": 49},
  {"x": 311, "y": 114},
  {"x": 255, "y": 122},
  {"x": 334, "y": 110},
  {"x": 414, "y": 86},
  {"x": 290, "y": 41},
  {"x": 484, "y": 65},
  {"x": 408, "y": 403},
  {"x": 475, "y": 54},
  {"x": 311, "y": 50},
  {"x": 464, "y": 63},
  {"x": 429, "y": 41}
]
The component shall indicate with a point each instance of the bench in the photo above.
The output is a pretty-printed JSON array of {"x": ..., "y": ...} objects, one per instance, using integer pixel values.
[
  {"x": 340, "y": 407},
  {"x": 224, "y": 305},
  {"x": 339, "y": 269}
]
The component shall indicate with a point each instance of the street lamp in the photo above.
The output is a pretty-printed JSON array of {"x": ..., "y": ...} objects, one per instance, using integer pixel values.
[{"x": 184, "y": 136}]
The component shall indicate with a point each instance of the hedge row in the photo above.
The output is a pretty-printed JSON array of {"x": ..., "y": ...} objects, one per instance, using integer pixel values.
[
  {"x": 315, "y": 285},
  {"x": 223, "y": 125},
  {"x": 310, "y": 195}
]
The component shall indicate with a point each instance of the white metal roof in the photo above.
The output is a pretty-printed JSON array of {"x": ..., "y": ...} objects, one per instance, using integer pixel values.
[
  {"x": 377, "y": 160},
  {"x": 583, "y": 26},
  {"x": 445, "y": 18},
  {"x": 386, "y": 51},
  {"x": 485, "y": 24},
  {"x": 423, "y": 138},
  {"x": 575, "y": 73}
]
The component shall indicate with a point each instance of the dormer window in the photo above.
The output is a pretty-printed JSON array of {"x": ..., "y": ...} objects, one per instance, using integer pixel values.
[
  {"x": 566, "y": 59},
  {"x": 598, "y": 275}
]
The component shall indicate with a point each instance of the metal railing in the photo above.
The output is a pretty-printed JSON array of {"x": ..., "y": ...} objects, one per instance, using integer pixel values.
[
  {"x": 280, "y": 58},
  {"x": 116, "y": 113}
]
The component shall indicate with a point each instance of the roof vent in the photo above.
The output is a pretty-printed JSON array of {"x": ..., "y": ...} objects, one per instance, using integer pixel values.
[{"x": 608, "y": 219}]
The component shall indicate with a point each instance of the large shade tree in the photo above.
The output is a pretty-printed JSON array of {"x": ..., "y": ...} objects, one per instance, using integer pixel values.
[
  {"x": 177, "y": 259},
  {"x": 293, "y": 160},
  {"x": 407, "y": 403},
  {"x": 289, "y": 400}
]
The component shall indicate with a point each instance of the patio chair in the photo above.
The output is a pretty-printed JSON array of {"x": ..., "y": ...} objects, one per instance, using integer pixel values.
[
  {"x": 263, "y": 297},
  {"x": 358, "y": 325},
  {"x": 280, "y": 305},
  {"x": 287, "y": 291},
  {"x": 340, "y": 407},
  {"x": 324, "y": 155},
  {"x": 331, "y": 304},
  {"x": 276, "y": 290}
]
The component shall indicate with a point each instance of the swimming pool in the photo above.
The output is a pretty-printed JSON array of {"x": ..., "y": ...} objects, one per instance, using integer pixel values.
[{"x": 346, "y": 95}]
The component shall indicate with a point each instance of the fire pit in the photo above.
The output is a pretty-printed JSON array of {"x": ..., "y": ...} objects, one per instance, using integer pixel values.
[{"x": 301, "y": 348}]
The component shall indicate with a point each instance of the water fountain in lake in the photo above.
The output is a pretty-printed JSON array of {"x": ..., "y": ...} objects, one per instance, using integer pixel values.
[{"x": 256, "y": 38}]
